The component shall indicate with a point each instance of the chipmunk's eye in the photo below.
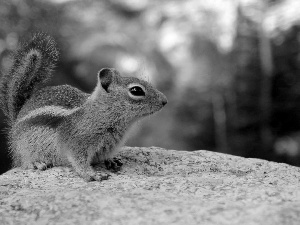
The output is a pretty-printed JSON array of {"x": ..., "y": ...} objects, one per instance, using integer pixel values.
[{"x": 136, "y": 91}]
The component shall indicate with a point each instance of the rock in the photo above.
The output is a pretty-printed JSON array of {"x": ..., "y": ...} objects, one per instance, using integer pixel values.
[{"x": 157, "y": 186}]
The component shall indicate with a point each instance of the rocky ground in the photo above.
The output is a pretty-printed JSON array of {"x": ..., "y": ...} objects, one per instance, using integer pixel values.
[{"x": 157, "y": 186}]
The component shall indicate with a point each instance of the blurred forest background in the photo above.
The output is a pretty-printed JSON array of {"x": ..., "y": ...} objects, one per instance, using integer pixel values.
[{"x": 230, "y": 68}]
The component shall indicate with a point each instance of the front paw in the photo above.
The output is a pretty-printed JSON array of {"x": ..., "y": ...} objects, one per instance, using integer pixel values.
[{"x": 113, "y": 164}]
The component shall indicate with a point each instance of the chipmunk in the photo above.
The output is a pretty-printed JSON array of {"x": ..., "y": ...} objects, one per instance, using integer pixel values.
[{"x": 63, "y": 126}]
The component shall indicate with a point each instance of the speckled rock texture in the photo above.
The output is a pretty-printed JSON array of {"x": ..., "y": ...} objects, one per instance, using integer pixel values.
[{"x": 157, "y": 186}]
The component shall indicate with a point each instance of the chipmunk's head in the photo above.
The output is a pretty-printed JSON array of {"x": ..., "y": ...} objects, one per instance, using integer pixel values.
[{"x": 130, "y": 95}]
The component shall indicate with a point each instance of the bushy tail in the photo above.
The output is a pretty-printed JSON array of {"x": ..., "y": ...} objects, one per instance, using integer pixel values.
[{"x": 32, "y": 65}]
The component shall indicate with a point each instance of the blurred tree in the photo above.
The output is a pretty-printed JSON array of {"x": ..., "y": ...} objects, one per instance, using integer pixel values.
[
  {"x": 250, "y": 120},
  {"x": 285, "y": 119},
  {"x": 266, "y": 83},
  {"x": 286, "y": 87}
]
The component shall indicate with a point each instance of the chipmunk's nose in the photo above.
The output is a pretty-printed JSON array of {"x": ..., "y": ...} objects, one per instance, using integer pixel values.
[
  {"x": 164, "y": 102},
  {"x": 162, "y": 98}
]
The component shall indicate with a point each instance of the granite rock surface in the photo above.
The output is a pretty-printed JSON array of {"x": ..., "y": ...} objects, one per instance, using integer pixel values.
[{"x": 157, "y": 186}]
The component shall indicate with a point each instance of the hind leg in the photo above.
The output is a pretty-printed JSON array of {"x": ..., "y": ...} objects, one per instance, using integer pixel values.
[
  {"x": 39, "y": 165},
  {"x": 35, "y": 150}
]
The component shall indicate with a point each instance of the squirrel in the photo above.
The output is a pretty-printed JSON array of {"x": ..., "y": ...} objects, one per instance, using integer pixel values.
[{"x": 63, "y": 126}]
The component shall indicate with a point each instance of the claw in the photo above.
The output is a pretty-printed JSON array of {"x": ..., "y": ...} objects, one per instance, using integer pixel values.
[{"x": 114, "y": 164}]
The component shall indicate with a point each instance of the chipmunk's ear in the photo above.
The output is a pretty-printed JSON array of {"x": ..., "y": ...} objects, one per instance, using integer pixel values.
[{"x": 105, "y": 78}]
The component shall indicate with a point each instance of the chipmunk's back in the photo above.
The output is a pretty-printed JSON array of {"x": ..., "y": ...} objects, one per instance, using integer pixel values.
[{"x": 64, "y": 95}]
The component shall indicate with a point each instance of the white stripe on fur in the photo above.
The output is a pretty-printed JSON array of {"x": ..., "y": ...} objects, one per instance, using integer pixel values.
[{"x": 47, "y": 110}]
